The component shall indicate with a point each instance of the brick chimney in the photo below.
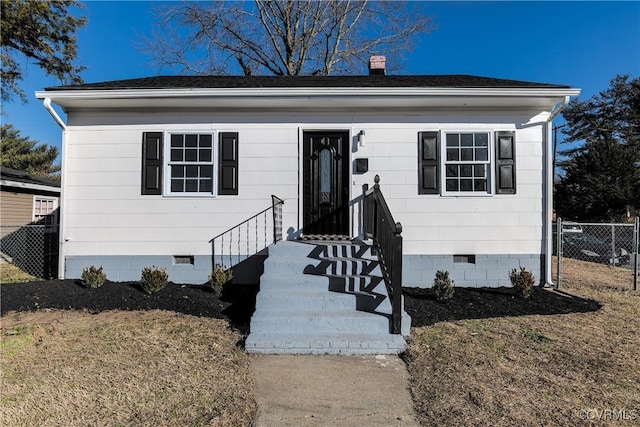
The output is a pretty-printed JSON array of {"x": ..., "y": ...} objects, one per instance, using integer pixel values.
[{"x": 377, "y": 65}]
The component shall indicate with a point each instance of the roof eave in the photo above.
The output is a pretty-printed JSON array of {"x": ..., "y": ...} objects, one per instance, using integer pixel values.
[
  {"x": 9, "y": 183},
  {"x": 297, "y": 97}
]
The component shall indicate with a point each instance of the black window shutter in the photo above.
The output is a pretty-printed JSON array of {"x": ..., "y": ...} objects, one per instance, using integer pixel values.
[
  {"x": 228, "y": 164},
  {"x": 151, "y": 163},
  {"x": 506, "y": 162},
  {"x": 428, "y": 163}
]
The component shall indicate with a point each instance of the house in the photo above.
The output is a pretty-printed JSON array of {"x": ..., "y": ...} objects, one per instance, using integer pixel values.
[
  {"x": 29, "y": 222},
  {"x": 154, "y": 168},
  {"x": 27, "y": 198}
]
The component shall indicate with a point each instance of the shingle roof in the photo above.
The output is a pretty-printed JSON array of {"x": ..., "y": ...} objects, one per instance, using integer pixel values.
[
  {"x": 20, "y": 176},
  {"x": 230, "y": 82}
]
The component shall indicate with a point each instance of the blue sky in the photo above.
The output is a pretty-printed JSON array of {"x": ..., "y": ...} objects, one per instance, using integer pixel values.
[{"x": 581, "y": 44}]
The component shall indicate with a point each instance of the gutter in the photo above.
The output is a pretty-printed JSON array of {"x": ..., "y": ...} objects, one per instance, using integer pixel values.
[
  {"x": 135, "y": 93},
  {"x": 548, "y": 194}
]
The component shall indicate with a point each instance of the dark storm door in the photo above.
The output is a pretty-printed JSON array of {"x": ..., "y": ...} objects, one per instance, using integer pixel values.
[{"x": 325, "y": 175}]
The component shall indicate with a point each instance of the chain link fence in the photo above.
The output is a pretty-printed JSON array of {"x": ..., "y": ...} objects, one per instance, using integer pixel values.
[
  {"x": 32, "y": 248},
  {"x": 616, "y": 245}
]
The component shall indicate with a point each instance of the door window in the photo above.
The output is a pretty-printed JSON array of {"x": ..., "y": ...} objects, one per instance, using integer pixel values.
[{"x": 325, "y": 175}]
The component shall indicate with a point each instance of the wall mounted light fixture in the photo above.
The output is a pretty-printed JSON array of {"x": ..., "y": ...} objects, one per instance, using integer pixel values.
[{"x": 361, "y": 139}]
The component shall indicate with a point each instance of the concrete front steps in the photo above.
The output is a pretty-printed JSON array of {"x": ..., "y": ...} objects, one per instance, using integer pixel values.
[{"x": 322, "y": 299}]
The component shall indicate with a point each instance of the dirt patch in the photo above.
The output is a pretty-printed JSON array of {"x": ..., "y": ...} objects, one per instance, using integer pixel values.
[{"x": 58, "y": 320}]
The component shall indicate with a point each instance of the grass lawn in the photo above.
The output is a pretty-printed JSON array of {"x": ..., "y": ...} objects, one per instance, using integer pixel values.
[
  {"x": 9, "y": 273},
  {"x": 122, "y": 368},
  {"x": 115, "y": 356},
  {"x": 560, "y": 369}
]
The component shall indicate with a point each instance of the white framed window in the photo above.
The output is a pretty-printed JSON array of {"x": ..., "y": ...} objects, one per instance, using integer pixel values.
[
  {"x": 190, "y": 167},
  {"x": 190, "y": 163},
  {"x": 467, "y": 163},
  {"x": 44, "y": 209}
]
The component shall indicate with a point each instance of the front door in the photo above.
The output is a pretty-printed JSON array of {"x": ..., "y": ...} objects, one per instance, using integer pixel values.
[{"x": 325, "y": 177}]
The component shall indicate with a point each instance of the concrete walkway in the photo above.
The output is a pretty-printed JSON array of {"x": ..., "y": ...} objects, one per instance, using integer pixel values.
[{"x": 332, "y": 391}]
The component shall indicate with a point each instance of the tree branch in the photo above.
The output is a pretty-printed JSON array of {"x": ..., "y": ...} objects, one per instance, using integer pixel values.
[{"x": 284, "y": 37}]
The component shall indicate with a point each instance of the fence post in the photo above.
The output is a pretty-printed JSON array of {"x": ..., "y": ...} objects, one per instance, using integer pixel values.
[
  {"x": 613, "y": 245},
  {"x": 276, "y": 205},
  {"x": 559, "y": 238},
  {"x": 376, "y": 191},
  {"x": 396, "y": 281},
  {"x": 636, "y": 247}
]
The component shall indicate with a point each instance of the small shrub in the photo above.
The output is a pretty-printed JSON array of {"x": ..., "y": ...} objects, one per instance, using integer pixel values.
[
  {"x": 522, "y": 281},
  {"x": 443, "y": 286},
  {"x": 153, "y": 279},
  {"x": 93, "y": 277},
  {"x": 219, "y": 276}
]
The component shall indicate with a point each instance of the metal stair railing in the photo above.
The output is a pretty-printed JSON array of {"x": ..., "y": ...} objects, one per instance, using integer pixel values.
[
  {"x": 249, "y": 237},
  {"x": 378, "y": 225}
]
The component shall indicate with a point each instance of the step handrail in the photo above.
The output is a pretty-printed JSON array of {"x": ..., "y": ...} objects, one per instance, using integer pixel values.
[
  {"x": 250, "y": 234},
  {"x": 378, "y": 224}
]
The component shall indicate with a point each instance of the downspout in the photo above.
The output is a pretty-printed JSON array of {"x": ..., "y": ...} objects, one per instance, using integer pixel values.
[
  {"x": 61, "y": 206},
  {"x": 548, "y": 195},
  {"x": 47, "y": 104}
]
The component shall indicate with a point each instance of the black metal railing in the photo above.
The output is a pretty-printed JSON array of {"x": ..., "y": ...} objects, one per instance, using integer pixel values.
[
  {"x": 248, "y": 237},
  {"x": 378, "y": 225}
]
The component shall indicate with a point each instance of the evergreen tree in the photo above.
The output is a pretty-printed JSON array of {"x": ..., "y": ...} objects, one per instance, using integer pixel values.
[
  {"x": 613, "y": 114},
  {"x": 600, "y": 183},
  {"x": 601, "y": 180},
  {"x": 24, "y": 154}
]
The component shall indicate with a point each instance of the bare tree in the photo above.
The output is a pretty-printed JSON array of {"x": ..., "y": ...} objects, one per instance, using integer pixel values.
[{"x": 284, "y": 37}]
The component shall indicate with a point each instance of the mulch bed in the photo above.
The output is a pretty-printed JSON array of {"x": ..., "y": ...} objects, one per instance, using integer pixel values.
[
  {"x": 481, "y": 303},
  {"x": 237, "y": 302}
]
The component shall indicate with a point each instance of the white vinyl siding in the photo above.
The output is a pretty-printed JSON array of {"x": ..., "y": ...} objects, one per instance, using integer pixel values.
[{"x": 106, "y": 214}]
